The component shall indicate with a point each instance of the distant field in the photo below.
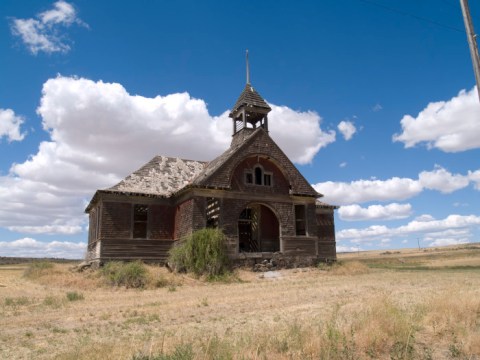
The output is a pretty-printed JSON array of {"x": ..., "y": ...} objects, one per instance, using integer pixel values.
[
  {"x": 405, "y": 304},
  {"x": 20, "y": 260}
]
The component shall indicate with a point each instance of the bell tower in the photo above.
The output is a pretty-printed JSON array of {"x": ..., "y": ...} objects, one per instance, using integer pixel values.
[{"x": 250, "y": 111}]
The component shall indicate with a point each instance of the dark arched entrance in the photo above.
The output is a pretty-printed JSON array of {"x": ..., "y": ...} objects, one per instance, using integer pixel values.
[{"x": 258, "y": 230}]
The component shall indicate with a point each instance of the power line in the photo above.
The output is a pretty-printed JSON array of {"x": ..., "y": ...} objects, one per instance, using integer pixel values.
[{"x": 404, "y": 13}]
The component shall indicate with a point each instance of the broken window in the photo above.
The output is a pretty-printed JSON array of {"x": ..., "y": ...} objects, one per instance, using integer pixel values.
[
  {"x": 140, "y": 221},
  {"x": 213, "y": 212},
  {"x": 261, "y": 177},
  {"x": 258, "y": 175},
  {"x": 300, "y": 228},
  {"x": 267, "y": 180},
  {"x": 248, "y": 230}
]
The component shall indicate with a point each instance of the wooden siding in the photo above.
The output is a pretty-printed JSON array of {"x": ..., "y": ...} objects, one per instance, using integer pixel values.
[
  {"x": 161, "y": 220},
  {"x": 92, "y": 225},
  {"x": 300, "y": 245},
  {"x": 326, "y": 235},
  {"x": 325, "y": 226},
  {"x": 183, "y": 219},
  {"x": 327, "y": 250},
  {"x": 116, "y": 220},
  {"x": 128, "y": 249}
]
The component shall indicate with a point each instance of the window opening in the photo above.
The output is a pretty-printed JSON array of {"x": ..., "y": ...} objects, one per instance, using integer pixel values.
[
  {"x": 140, "y": 221},
  {"x": 248, "y": 230},
  {"x": 249, "y": 178},
  {"x": 300, "y": 228},
  {"x": 267, "y": 180},
  {"x": 258, "y": 176},
  {"x": 213, "y": 212}
]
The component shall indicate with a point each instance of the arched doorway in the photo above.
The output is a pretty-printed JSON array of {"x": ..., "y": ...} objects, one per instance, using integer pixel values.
[{"x": 258, "y": 230}]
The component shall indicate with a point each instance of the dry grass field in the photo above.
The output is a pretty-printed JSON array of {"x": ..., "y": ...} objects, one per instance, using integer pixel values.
[{"x": 406, "y": 304}]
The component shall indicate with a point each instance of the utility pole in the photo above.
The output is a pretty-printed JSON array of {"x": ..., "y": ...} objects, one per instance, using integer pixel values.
[{"x": 472, "y": 42}]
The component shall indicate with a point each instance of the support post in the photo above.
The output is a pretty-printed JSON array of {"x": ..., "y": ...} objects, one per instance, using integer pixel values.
[{"x": 472, "y": 42}]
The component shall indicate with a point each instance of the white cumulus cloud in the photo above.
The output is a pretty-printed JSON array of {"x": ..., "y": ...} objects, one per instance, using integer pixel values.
[
  {"x": 29, "y": 247},
  {"x": 429, "y": 228},
  {"x": 375, "y": 212},
  {"x": 448, "y": 237},
  {"x": 450, "y": 126},
  {"x": 474, "y": 176},
  {"x": 343, "y": 249},
  {"x": 298, "y": 133},
  {"x": 43, "y": 33},
  {"x": 360, "y": 191},
  {"x": 442, "y": 180},
  {"x": 10, "y": 125},
  {"x": 99, "y": 133},
  {"x": 448, "y": 241},
  {"x": 347, "y": 128}
]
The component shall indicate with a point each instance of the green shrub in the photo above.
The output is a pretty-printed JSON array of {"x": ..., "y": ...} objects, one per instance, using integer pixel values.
[
  {"x": 202, "y": 253},
  {"x": 130, "y": 274},
  {"x": 53, "y": 301},
  {"x": 74, "y": 296},
  {"x": 16, "y": 303},
  {"x": 37, "y": 269}
]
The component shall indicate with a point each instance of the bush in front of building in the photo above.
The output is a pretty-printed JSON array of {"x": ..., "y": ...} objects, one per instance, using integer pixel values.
[
  {"x": 129, "y": 274},
  {"x": 202, "y": 253}
]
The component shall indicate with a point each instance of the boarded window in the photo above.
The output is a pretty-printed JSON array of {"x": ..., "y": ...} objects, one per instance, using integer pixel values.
[
  {"x": 300, "y": 228},
  {"x": 93, "y": 227},
  {"x": 140, "y": 221},
  {"x": 213, "y": 212}
]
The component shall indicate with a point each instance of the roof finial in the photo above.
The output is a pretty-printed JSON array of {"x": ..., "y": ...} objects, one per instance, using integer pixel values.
[{"x": 248, "y": 71}]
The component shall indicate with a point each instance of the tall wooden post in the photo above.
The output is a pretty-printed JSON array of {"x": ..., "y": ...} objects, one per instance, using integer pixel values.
[{"x": 472, "y": 42}]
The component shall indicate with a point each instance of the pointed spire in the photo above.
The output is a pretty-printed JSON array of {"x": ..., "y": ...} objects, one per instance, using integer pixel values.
[
  {"x": 250, "y": 111},
  {"x": 248, "y": 70}
]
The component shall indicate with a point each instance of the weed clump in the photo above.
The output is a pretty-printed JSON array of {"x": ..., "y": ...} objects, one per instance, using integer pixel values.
[
  {"x": 37, "y": 269},
  {"x": 202, "y": 253},
  {"x": 131, "y": 274},
  {"x": 74, "y": 296}
]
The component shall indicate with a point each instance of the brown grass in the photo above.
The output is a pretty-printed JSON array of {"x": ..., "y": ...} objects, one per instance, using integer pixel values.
[{"x": 362, "y": 308}]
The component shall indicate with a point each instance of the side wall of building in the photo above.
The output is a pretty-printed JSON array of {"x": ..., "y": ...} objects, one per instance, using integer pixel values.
[
  {"x": 326, "y": 234},
  {"x": 190, "y": 215},
  {"x": 111, "y": 236}
]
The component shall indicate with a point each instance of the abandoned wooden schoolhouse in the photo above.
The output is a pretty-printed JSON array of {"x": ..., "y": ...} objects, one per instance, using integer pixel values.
[{"x": 252, "y": 192}]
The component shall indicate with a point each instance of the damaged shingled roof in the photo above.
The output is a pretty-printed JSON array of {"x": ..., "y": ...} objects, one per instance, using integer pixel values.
[{"x": 161, "y": 176}]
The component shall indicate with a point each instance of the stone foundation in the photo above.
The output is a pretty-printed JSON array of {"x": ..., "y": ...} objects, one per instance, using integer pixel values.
[{"x": 261, "y": 262}]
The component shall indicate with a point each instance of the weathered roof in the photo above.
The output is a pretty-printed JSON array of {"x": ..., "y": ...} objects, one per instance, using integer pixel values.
[
  {"x": 165, "y": 176},
  {"x": 321, "y": 204},
  {"x": 250, "y": 98},
  {"x": 215, "y": 164},
  {"x": 161, "y": 176}
]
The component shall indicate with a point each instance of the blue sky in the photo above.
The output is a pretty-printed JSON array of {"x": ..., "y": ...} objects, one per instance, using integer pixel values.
[{"x": 374, "y": 100}]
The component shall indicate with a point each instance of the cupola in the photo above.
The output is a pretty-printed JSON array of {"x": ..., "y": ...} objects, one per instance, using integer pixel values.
[{"x": 250, "y": 111}]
